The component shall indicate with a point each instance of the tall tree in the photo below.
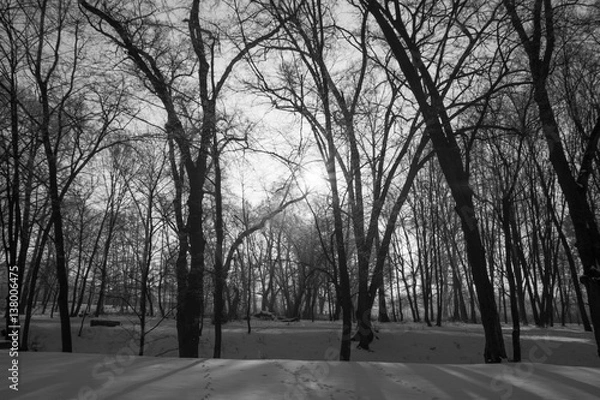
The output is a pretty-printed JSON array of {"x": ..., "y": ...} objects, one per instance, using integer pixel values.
[
  {"x": 164, "y": 55},
  {"x": 454, "y": 29},
  {"x": 145, "y": 190},
  {"x": 19, "y": 149},
  {"x": 71, "y": 130},
  {"x": 353, "y": 119},
  {"x": 538, "y": 37}
]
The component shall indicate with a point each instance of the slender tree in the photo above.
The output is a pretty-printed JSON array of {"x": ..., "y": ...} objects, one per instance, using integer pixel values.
[{"x": 63, "y": 116}]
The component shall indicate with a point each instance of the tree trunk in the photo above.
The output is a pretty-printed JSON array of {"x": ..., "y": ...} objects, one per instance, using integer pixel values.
[
  {"x": 38, "y": 254},
  {"x": 514, "y": 310},
  {"x": 392, "y": 297},
  {"x": 449, "y": 158},
  {"x": 57, "y": 223},
  {"x": 383, "y": 315},
  {"x": 219, "y": 268},
  {"x": 342, "y": 262},
  {"x": 517, "y": 268}
]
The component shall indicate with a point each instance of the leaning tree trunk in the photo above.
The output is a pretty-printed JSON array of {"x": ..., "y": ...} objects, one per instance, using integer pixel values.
[
  {"x": 494, "y": 342},
  {"x": 450, "y": 160}
]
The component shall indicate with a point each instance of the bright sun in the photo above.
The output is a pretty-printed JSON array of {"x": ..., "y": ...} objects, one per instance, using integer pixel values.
[{"x": 313, "y": 177}]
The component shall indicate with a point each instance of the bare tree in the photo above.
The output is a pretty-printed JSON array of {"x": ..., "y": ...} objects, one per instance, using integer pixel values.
[
  {"x": 50, "y": 35},
  {"x": 19, "y": 149},
  {"x": 145, "y": 190},
  {"x": 353, "y": 124},
  {"x": 454, "y": 29},
  {"x": 144, "y": 32},
  {"x": 539, "y": 38}
]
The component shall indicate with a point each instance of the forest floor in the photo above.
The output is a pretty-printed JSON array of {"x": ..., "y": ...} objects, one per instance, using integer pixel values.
[{"x": 298, "y": 360}]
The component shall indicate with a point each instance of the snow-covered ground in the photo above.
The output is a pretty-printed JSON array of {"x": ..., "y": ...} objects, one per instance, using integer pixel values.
[{"x": 298, "y": 360}]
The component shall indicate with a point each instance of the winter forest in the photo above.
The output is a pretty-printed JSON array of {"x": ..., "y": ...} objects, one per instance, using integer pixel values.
[{"x": 356, "y": 161}]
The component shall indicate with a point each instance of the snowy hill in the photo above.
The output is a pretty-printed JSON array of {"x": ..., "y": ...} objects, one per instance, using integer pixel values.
[{"x": 63, "y": 376}]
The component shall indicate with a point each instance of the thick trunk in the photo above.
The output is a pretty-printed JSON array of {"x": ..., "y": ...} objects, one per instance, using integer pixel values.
[
  {"x": 494, "y": 341},
  {"x": 61, "y": 266},
  {"x": 593, "y": 290},
  {"x": 57, "y": 223},
  {"x": 188, "y": 330},
  {"x": 383, "y": 315},
  {"x": 188, "y": 320},
  {"x": 342, "y": 262},
  {"x": 449, "y": 158},
  {"x": 191, "y": 294}
]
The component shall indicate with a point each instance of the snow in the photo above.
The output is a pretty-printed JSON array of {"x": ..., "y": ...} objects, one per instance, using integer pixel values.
[
  {"x": 299, "y": 361},
  {"x": 97, "y": 376}
]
